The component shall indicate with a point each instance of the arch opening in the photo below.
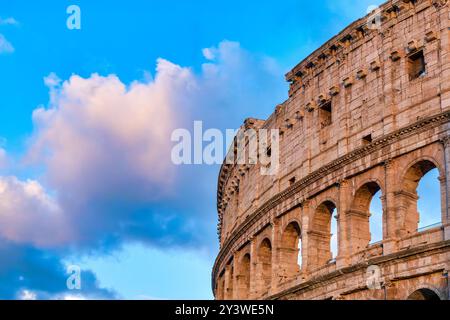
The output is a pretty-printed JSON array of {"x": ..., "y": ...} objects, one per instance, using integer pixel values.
[
  {"x": 428, "y": 191},
  {"x": 376, "y": 218},
  {"x": 424, "y": 294},
  {"x": 420, "y": 195},
  {"x": 324, "y": 235},
  {"x": 290, "y": 248},
  {"x": 365, "y": 217},
  {"x": 244, "y": 278},
  {"x": 229, "y": 282},
  {"x": 334, "y": 248},
  {"x": 265, "y": 266},
  {"x": 220, "y": 290}
]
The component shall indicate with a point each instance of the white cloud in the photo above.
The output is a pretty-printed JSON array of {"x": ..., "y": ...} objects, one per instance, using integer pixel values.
[
  {"x": 52, "y": 80},
  {"x": 28, "y": 214},
  {"x": 208, "y": 53},
  {"x": 3, "y": 158},
  {"x": 27, "y": 295},
  {"x": 73, "y": 297},
  {"x": 101, "y": 128},
  {"x": 105, "y": 148},
  {"x": 8, "y": 21},
  {"x": 5, "y": 45}
]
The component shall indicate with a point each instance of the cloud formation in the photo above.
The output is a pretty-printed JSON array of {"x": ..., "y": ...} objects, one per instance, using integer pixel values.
[
  {"x": 5, "y": 45},
  {"x": 104, "y": 150},
  {"x": 30, "y": 273},
  {"x": 28, "y": 214},
  {"x": 8, "y": 21}
]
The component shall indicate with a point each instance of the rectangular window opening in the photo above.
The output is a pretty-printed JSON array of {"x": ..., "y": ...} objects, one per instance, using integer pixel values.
[
  {"x": 416, "y": 65},
  {"x": 325, "y": 112},
  {"x": 291, "y": 181},
  {"x": 367, "y": 139}
]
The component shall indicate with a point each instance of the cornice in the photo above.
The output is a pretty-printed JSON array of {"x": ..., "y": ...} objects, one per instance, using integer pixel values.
[{"x": 391, "y": 12}]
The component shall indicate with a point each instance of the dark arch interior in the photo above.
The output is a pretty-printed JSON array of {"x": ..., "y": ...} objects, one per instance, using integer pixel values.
[
  {"x": 364, "y": 196},
  {"x": 265, "y": 261},
  {"x": 416, "y": 172},
  {"x": 330, "y": 206},
  {"x": 424, "y": 294},
  {"x": 290, "y": 251},
  {"x": 244, "y": 280},
  {"x": 291, "y": 235}
]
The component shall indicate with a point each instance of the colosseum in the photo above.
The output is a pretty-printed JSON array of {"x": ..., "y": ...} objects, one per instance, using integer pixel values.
[{"x": 368, "y": 115}]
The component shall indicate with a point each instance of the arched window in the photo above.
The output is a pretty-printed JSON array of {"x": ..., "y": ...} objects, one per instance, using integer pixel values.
[
  {"x": 220, "y": 290},
  {"x": 321, "y": 239},
  {"x": 290, "y": 247},
  {"x": 244, "y": 278},
  {"x": 365, "y": 217},
  {"x": 424, "y": 294},
  {"x": 376, "y": 218},
  {"x": 429, "y": 195},
  {"x": 229, "y": 281},
  {"x": 265, "y": 266},
  {"x": 420, "y": 197},
  {"x": 334, "y": 234},
  {"x": 299, "y": 258}
]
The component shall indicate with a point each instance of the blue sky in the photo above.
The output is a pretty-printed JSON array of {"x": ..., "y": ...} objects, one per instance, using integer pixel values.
[{"x": 138, "y": 227}]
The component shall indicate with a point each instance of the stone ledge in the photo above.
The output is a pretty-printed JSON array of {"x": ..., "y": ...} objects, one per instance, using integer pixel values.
[{"x": 319, "y": 280}]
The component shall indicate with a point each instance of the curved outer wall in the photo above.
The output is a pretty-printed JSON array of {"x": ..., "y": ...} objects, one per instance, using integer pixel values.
[{"x": 357, "y": 120}]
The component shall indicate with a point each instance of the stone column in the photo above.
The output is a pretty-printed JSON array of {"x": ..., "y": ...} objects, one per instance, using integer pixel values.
[
  {"x": 345, "y": 194},
  {"x": 253, "y": 269},
  {"x": 235, "y": 279},
  {"x": 446, "y": 192},
  {"x": 358, "y": 230},
  {"x": 220, "y": 288},
  {"x": 389, "y": 210},
  {"x": 446, "y": 275},
  {"x": 228, "y": 292},
  {"x": 305, "y": 237},
  {"x": 276, "y": 242},
  {"x": 407, "y": 215}
]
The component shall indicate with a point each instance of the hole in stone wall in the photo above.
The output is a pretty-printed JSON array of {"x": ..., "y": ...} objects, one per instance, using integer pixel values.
[
  {"x": 325, "y": 113},
  {"x": 291, "y": 181},
  {"x": 367, "y": 139},
  {"x": 416, "y": 65}
]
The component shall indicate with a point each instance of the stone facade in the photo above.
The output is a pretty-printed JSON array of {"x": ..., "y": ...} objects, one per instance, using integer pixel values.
[{"x": 368, "y": 111}]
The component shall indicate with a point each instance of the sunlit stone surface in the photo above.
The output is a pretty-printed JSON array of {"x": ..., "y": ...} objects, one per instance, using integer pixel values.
[{"x": 368, "y": 113}]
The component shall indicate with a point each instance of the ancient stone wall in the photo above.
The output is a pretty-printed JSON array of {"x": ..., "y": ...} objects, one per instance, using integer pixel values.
[{"x": 369, "y": 111}]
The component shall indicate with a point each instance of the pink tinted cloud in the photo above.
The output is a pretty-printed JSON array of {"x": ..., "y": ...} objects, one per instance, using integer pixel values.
[{"x": 105, "y": 148}]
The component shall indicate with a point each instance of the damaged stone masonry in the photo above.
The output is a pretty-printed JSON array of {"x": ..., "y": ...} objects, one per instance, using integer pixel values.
[{"x": 369, "y": 111}]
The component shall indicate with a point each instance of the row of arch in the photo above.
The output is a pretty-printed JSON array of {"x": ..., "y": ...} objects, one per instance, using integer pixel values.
[{"x": 363, "y": 226}]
